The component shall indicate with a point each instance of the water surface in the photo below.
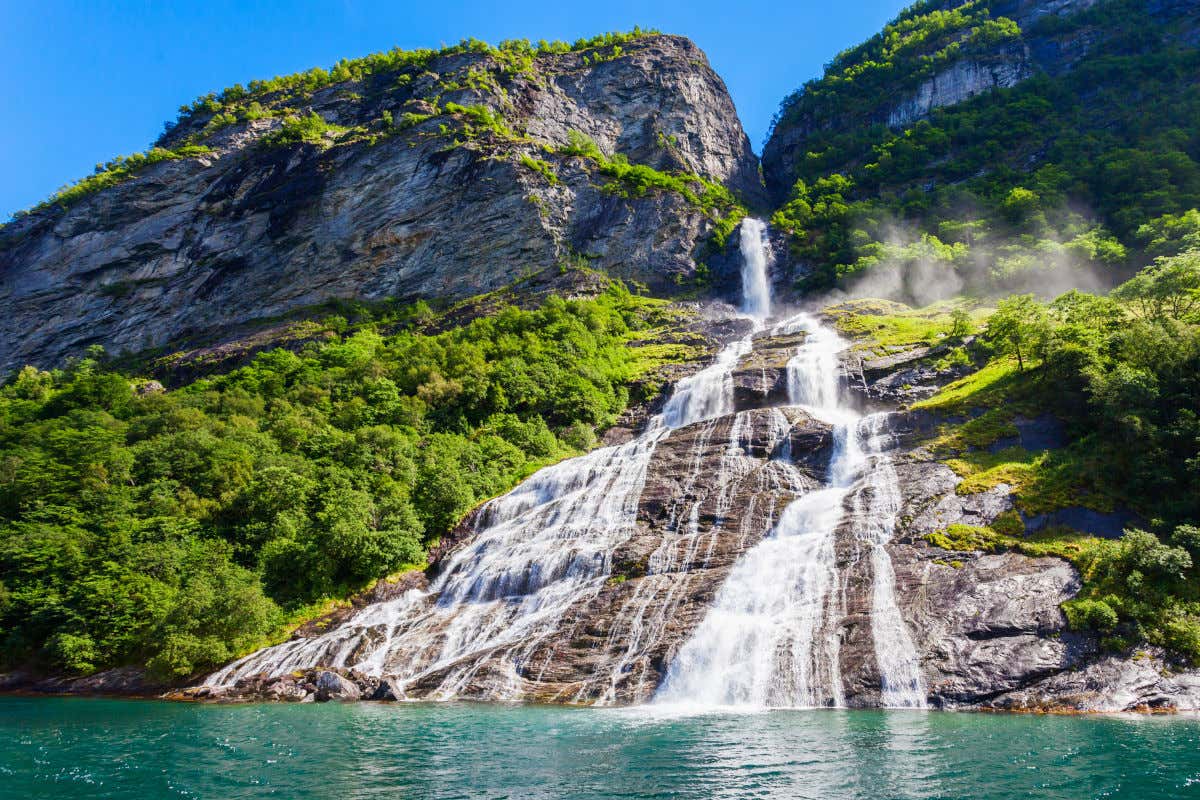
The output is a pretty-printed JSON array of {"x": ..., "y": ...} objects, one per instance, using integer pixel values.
[{"x": 92, "y": 748}]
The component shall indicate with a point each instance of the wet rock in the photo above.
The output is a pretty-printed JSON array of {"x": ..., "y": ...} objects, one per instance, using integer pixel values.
[
  {"x": 760, "y": 377},
  {"x": 333, "y": 686},
  {"x": 712, "y": 491},
  {"x": 287, "y": 691},
  {"x": 389, "y": 689}
]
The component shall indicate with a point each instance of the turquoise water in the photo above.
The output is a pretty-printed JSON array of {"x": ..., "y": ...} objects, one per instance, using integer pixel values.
[{"x": 86, "y": 748}]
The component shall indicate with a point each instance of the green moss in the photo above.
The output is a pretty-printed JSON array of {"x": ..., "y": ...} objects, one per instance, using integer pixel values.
[
  {"x": 966, "y": 538},
  {"x": 543, "y": 168}
]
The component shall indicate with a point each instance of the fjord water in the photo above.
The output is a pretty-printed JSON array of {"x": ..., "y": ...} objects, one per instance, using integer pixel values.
[{"x": 92, "y": 748}]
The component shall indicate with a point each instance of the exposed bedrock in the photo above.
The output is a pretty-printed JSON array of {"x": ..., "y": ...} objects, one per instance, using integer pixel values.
[{"x": 190, "y": 249}]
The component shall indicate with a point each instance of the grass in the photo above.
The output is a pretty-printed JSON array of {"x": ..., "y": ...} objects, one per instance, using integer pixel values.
[
  {"x": 543, "y": 168},
  {"x": 882, "y": 326},
  {"x": 1055, "y": 542},
  {"x": 989, "y": 387}
]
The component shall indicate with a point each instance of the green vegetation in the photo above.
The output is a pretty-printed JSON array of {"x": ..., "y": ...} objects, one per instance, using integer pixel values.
[
  {"x": 515, "y": 56},
  {"x": 179, "y": 529},
  {"x": 1122, "y": 375},
  {"x": 113, "y": 172},
  {"x": 638, "y": 180},
  {"x": 478, "y": 120},
  {"x": 990, "y": 190},
  {"x": 543, "y": 168},
  {"x": 310, "y": 128}
]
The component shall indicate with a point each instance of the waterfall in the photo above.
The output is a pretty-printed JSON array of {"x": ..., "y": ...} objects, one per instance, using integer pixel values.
[
  {"x": 539, "y": 555},
  {"x": 756, "y": 285},
  {"x": 877, "y": 508},
  {"x": 537, "y": 552},
  {"x": 771, "y": 638}
]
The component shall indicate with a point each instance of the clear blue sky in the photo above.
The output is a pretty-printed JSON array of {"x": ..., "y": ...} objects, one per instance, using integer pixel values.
[{"x": 85, "y": 81}]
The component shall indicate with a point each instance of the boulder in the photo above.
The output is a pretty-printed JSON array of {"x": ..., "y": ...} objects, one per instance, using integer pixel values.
[
  {"x": 333, "y": 686},
  {"x": 389, "y": 689}
]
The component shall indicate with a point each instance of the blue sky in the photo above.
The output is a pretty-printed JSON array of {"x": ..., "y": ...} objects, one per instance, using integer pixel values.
[{"x": 85, "y": 81}]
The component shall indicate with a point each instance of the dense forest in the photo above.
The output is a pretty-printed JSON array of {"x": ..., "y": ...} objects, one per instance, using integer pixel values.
[{"x": 181, "y": 528}]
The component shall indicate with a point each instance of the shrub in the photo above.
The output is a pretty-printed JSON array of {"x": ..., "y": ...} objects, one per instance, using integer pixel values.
[{"x": 1090, "y": 615}]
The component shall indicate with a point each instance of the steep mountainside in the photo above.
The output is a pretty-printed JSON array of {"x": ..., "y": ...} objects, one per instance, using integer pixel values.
[
  {"x": 1005, "y": 143},
  {"x": 417, "y": 290},
  {"x": 425, "y": 174}
]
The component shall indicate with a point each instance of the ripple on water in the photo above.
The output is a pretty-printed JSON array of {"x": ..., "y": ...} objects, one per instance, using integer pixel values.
[{"x": 81, "y": 748}]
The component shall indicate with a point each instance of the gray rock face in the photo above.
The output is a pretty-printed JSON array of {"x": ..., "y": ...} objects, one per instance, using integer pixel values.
[
  {"x": 332, "y": 686},
  {"x": 190, "y": 249},
  {"x": 903, "y": 376},
  {"x": 960, "y": 82},
  {"x": 1144, "y": 682}
]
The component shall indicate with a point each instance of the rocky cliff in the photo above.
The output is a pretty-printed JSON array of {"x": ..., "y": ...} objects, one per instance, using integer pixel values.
[{"x": 439, "y": 176}]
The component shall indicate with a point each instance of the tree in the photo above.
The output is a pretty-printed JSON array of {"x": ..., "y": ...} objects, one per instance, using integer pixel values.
[
  {"x": 1020, "y": 205},
  {"x": 1168, "y": 288},
  {"x": 1020, "y": 326},
  {"x": 960, "y": 323}
]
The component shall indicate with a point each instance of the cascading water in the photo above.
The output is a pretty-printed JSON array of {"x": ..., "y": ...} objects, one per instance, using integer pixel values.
[
  {"x": 544, "y": 551},
  {"x": 771, "y": 638},
  {"x": 756, "y": 285},
  {"x": 544, "y": 548}
]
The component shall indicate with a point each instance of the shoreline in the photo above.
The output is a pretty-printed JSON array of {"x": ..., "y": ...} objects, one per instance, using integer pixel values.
[{"x": 174, "y": 696}]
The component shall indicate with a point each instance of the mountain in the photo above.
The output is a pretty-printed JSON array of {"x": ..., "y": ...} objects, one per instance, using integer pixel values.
[
  {"x": 404, "y": 175},
  {"x": 1006, "y": 144},
  {"x": 460, "y": 407}
]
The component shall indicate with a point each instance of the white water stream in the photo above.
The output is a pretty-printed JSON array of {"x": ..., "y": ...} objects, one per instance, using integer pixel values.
[
  {"x": 547, "y": 547},
  {"x": 771, "y": 638}
]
